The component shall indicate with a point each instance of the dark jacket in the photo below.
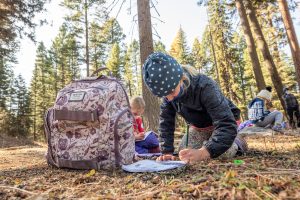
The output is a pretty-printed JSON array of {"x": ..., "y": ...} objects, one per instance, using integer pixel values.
[
  {"x": 202, "y": 105},
  {"x": 290, "y": 100}
]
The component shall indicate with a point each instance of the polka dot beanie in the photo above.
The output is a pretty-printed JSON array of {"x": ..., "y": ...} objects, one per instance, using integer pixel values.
[{"x": 161, "y": 73}]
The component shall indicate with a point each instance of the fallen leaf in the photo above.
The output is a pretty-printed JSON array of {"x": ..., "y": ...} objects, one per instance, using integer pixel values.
[
  {"x": 91, "y": 173},
  {"x": 230, "y": 174},
  {"x": 17, "y": 181}
]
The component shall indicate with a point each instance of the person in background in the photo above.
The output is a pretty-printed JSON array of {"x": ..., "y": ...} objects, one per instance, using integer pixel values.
[
  {"x": 261, "y": 116},
  {"x": 269, "y": 104},
  {"x": 143, "y": 143},
  {"x": 291, "y": 106},
  {"x": 269, "y": 88},
  {"x": 198, "y": 99}
]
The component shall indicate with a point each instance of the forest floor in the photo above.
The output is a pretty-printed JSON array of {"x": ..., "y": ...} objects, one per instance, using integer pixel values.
[{"x": 271, "y": 170}]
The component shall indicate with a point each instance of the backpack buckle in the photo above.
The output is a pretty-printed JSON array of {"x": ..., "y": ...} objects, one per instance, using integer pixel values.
[{"x": 92, "y": 116}]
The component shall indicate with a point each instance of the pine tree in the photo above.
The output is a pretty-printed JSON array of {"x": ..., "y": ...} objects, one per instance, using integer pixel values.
[
  {"x": 41, "y": 86},
  {"x": 292, "y": 37},
  {"x": 262, "y": 45},
  {"x": 72, "y": 54},
  {"x": 5, "y": 79},
  {"x": 97, "y": 47},
  {"x": 260, "y": 82},
  {"x": 277, "y": 40},
  {"x": 81, "y": 14},
  {"x": 208, "y": 63},
  {"x": 22, "y": 124},
  {"x": 34, "y": 100},
  {"x": 4, "y": 121},
  {"x": 159, "y": 47},
  {"x": 11, "y": 103},
  {"x": 240, "y": 77},
  {"x": 251, "y": 89},
  {"x": 5, "y": 76},
  {"x": 101, "y": 40},
  {"x": 132, "y": 69},
  {"x": 114, "y": 61},
  {"x": 136, "y": 64},
  {"x": 225, "y": 57},
  {"x": 128, "y": 72},
  {"x": 17, "y": 20},
  {"x": 11, "y": 107},
  {"x": 221, "y": 36},
  {"x": 179, "y": 48},
  {"x": 64, "y": 55},
  {"x": 197, "y": 58},
  {"x": 111, "y": 33}
]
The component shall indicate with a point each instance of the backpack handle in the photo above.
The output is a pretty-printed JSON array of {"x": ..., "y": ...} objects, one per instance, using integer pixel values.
[{"x": 98, "y": 70}]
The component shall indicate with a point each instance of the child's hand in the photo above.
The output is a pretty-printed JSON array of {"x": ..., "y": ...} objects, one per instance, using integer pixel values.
[
  {"x": 194, "y": 155},
  {"x": 165, "y": 157},
  {"x": 139, "y": 136}
]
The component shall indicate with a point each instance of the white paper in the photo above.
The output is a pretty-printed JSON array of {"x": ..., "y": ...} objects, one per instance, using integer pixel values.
[
  {"x": 152, "y": 166},
  {"x": 146, "y": 135}
]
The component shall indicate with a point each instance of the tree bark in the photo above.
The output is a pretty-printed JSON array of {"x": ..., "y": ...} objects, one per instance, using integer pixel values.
[
  {"x": 34, "y": 115},
  {"x": 262, "y": 45},
  {"x": 291, "y": 35},
  {"x": 86, "y": 39},
  {"x": 151, "y": 116},
  {"x": 275, "y": 48},
  {"x": 259, "y": 78},
  {"x": 214, "y": 54}
]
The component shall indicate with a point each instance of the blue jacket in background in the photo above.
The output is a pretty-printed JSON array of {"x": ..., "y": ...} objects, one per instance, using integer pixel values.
[{"x": 202, "y": 105}]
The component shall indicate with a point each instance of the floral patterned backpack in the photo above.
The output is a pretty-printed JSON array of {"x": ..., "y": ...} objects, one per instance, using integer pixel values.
[{"x": 90, "y": 125}]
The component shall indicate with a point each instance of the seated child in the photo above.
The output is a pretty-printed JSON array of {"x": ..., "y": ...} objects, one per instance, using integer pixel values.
[
  {"x": 262, "y": 114},
  {"x": 143, "y": 145}
]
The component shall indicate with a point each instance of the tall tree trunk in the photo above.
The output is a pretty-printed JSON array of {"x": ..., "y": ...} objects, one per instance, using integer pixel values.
[
  {"x": 129, "y": 86},
  {"x": 35, "y": 108},
  {"x": 95, "y": 59},
  {"x": 146, "y": 48},
  {"x": 55, "y": 77},
  {"x": 259, "y": 78},
  {"x": 274, "y": 46},
  {"x": 229, "y": 75},
  {"x": 214, "y": 54},
  {"x": 63, "y": 75},
  {"x": 86, "y": 38},
  {"x": 262, "y": 45},
  {"x": 243, "y": 85},
  {"x": 273, "y": 40},
  {"x": 291, "y": 35}
]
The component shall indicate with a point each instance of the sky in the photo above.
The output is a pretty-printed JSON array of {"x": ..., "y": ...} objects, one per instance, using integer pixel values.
[{"x": 170, "y": 15}]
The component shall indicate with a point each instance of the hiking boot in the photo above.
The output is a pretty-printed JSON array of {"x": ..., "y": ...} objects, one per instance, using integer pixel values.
[
  {"x": 278, "y": 128},
  {"x": 242, "y": 145}
]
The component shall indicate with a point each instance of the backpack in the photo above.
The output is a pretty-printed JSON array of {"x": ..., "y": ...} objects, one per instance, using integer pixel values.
[{"x": 90, "y": 125}]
